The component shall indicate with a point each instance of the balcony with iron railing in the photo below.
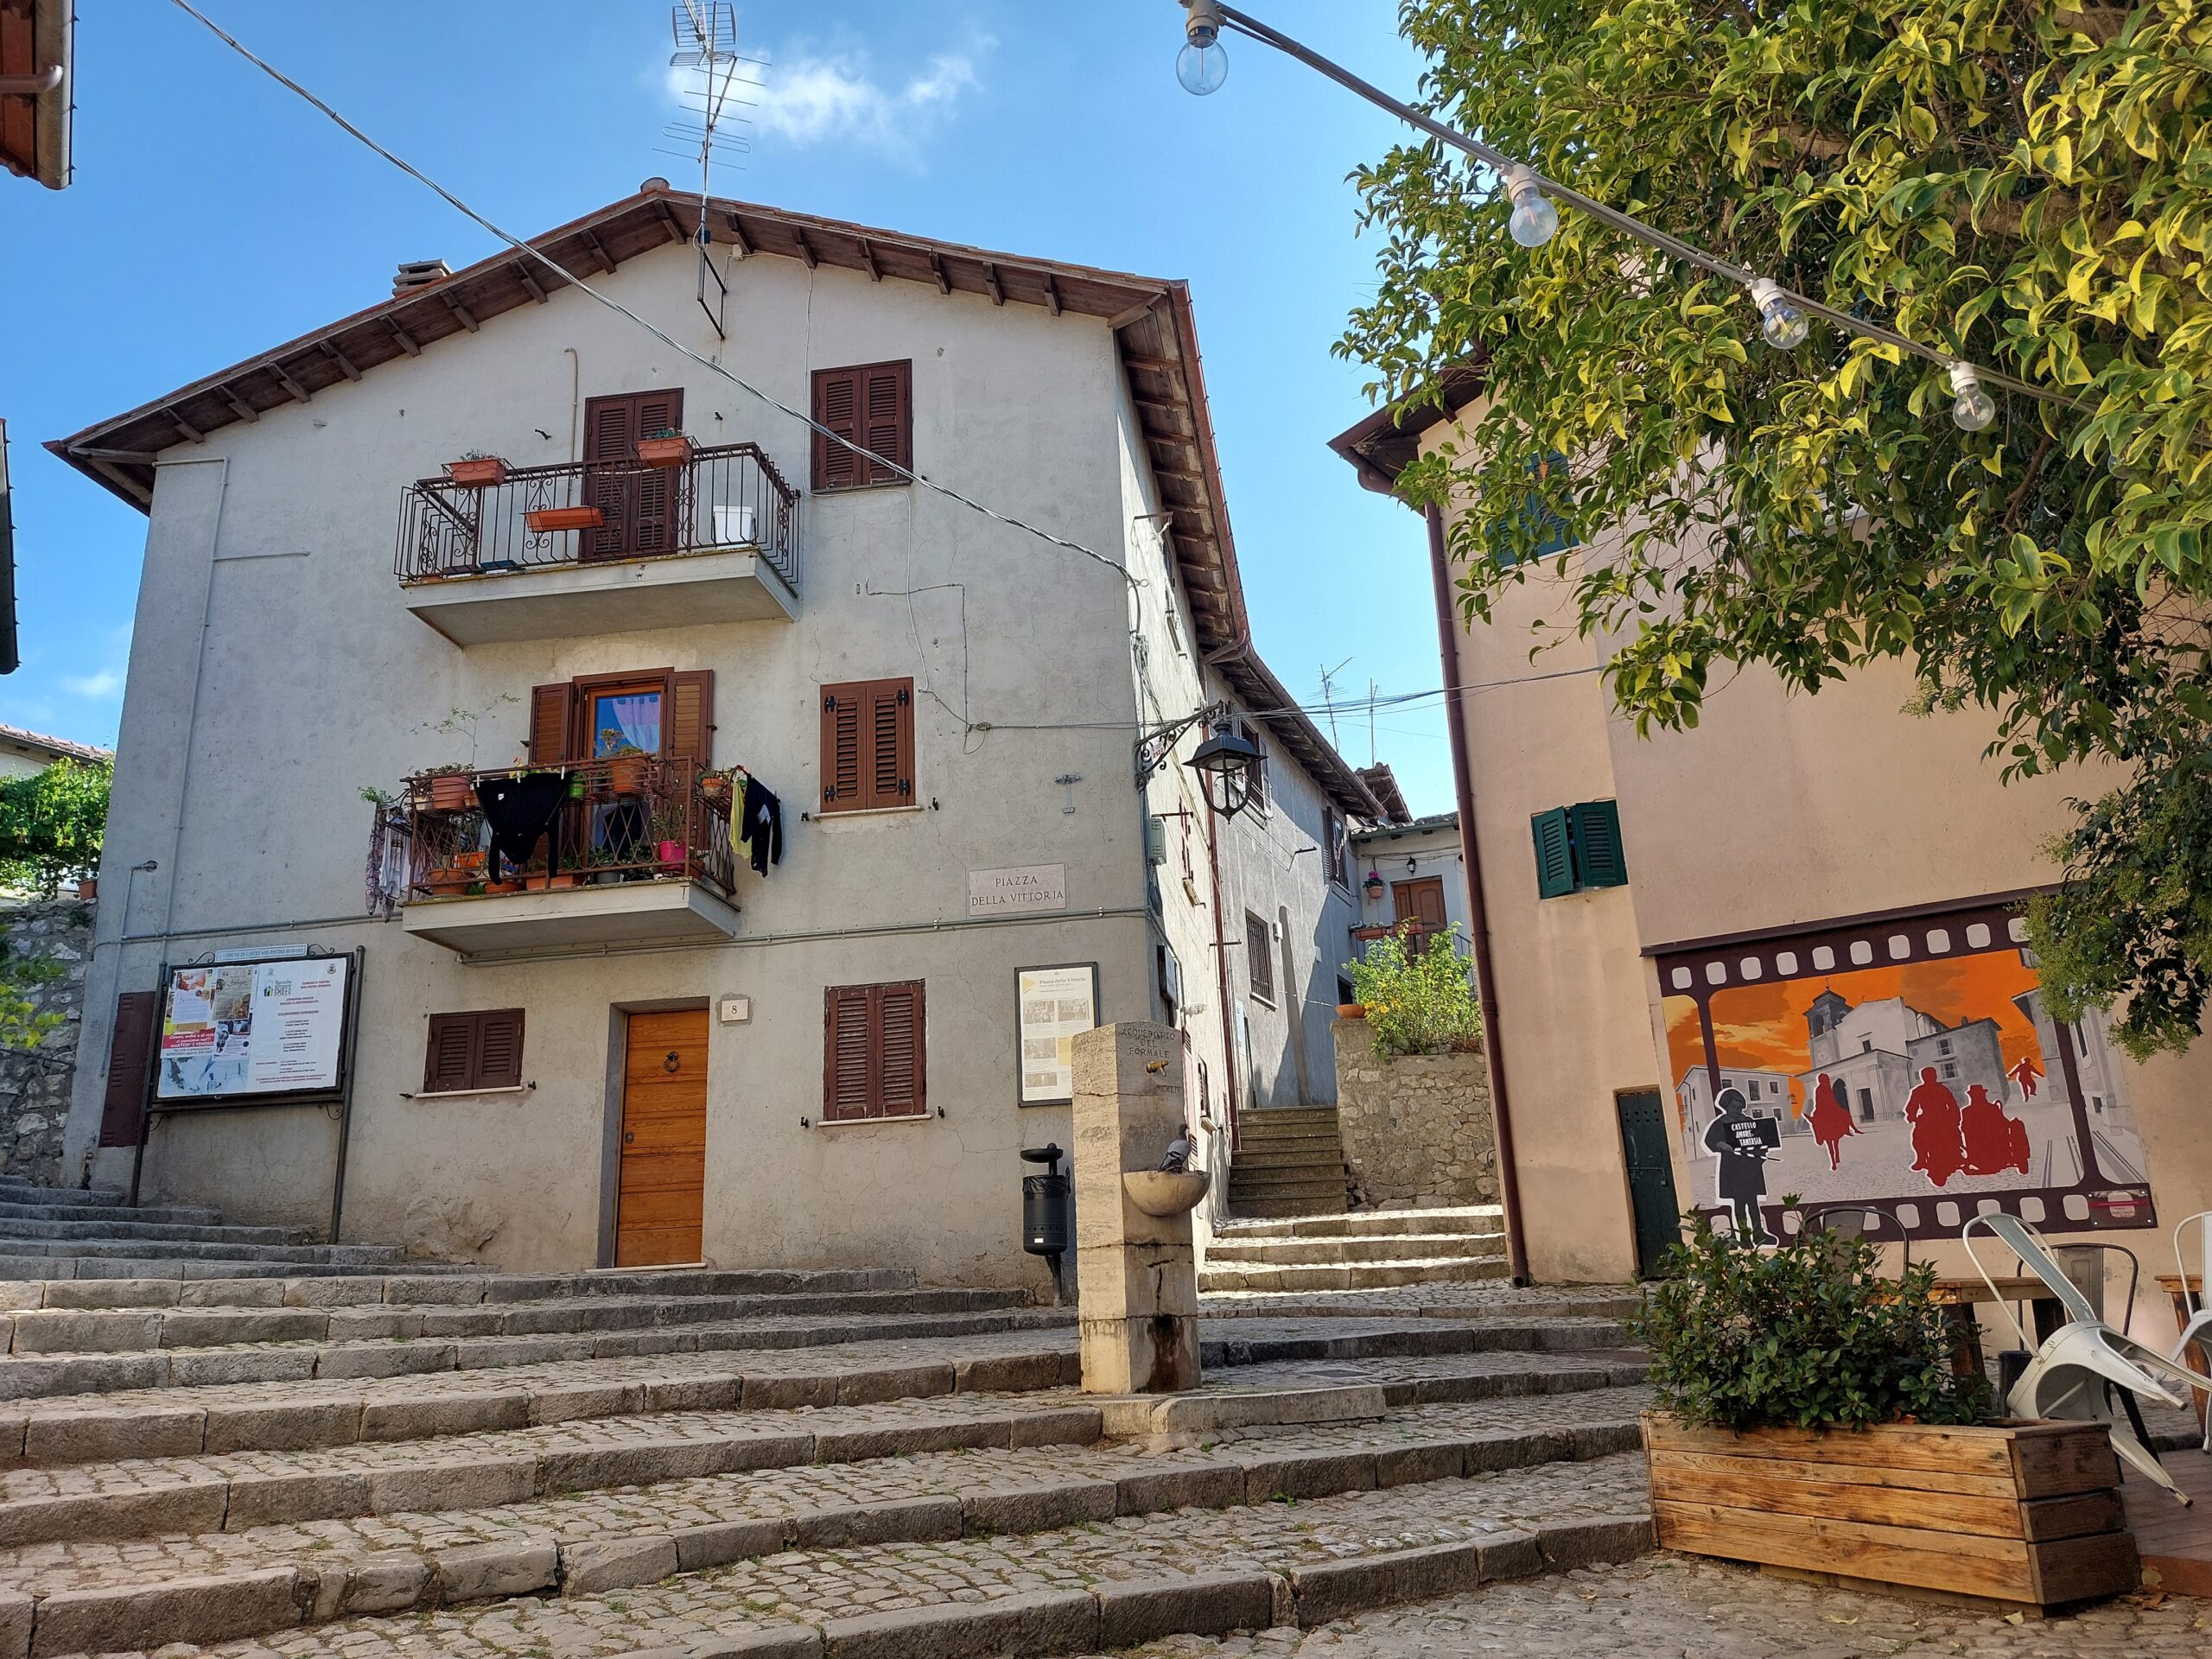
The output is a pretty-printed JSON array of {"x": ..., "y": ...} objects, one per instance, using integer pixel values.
[
  {"x": 628, "y": 849},
  {"x": 490, "y": 552}
]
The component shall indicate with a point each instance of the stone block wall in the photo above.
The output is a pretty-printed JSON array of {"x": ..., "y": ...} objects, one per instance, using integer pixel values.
[
  {"x": 1417, "y": 1129},
  {"x": 34, "y": 1083}
]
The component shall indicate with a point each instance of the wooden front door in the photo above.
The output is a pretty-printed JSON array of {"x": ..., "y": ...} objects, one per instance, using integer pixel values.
[
  {"x": 1650, "y": 1176},
  {"x": 1422, "y": 903},
  {"x": 660, "y": 1208}
]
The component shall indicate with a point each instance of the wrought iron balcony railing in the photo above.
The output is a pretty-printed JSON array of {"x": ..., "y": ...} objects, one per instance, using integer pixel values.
[
  {"x": 584, "y": 512},
  {"x": 626, "y": 818}
]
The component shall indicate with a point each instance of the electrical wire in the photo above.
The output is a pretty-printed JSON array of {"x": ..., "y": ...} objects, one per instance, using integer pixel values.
[
  {"x": 616, "y": 306},
  {"x": 1627, "y": 223}
]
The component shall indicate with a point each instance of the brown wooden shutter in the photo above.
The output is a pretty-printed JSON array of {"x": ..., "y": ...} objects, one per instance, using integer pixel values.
[
  {"x": 841, "y": 748},
  {"x": 901, "y": 1052},
  {"x": 836, "y": 405},
  {"x": 450, "y": 1058},
  {"x": 498, "y": 1049},
  {"x": 610, "y": 436},
  {"x": 887, "y": 740},
  {"x": 848, "y": 1091},
  {"x": 1260, "y": 956},
  {"x": 129, "y": 1046},
  {"x": 549, "y": 724},
  {"x": 888, "y": 428},
  {"x": 691, "y": 717},
  {"x": 655, "y": 490}
]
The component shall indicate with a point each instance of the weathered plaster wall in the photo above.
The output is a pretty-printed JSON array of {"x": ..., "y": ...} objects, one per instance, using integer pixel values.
[
  {"x": 1417, "y": 1128},
  {"x": 35, "y": 1084}
]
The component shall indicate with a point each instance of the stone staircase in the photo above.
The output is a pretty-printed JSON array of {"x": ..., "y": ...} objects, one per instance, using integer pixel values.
[
  {"x": 1368, "y": 1249},
  {"x": 1289, "y": 1161},
  {"x": 827, "y": 1465},
  {"x": 58, "y": 1233}
]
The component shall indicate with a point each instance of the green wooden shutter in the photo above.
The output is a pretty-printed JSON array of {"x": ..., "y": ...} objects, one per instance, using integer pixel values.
[
  {"x": 1598, "y": 859},
  {"x": 1554, "y": 853}
]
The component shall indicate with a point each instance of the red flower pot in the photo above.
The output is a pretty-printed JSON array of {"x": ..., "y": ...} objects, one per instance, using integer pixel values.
[
  {"x": 484, "y": 472},
  {"x": 546, "y": 521}
]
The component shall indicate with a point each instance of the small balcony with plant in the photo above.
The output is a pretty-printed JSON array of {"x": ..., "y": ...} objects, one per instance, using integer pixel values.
[
  {"x": 625, "y": 849},
  {"x": 671, "y": 534}
]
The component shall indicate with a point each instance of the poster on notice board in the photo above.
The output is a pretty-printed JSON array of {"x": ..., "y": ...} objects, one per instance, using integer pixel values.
[{"x": 234, "y": 1028}]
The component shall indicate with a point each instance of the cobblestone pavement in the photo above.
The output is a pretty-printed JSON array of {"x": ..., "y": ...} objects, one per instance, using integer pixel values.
[
  {"x": 817, "y": 1586},
  {"x": 666, "y": 1506},
  {"x": 1669, "y": 1607}
]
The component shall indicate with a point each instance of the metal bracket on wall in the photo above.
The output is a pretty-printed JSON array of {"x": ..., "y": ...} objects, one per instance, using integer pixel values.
[{"x": 1154, "y": 746}]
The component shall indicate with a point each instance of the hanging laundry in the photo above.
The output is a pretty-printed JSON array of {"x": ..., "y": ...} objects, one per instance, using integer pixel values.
[
  {"x": 757, "y": 829},
  {"x": 520, "y": 810}
]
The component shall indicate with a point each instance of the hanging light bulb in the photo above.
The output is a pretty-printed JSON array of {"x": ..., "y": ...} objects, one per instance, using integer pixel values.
[
  {"x": 1972, "y": 408},
  {"x": 1203, "y": 65},
  {"x": 1535, "y": 220},
  {"x": 1781, "y": 323}
]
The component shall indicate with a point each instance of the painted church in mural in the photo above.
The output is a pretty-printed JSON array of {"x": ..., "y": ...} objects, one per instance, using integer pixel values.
[{"x": 1928, "y": 1086}]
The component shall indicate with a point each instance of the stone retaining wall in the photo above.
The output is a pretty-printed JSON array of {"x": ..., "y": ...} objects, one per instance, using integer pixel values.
[
  {"x": 1417, "y": 1128},
  {"x": 35, "y": 1084}
]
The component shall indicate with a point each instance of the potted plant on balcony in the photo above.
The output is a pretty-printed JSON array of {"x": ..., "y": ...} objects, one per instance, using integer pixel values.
[
  {"x": 450, "y": 788},
  {"x": 718, "y": 785},
  {"x": 666, "y": 447},
  {"x": 477, "y": 471},
  {"x": 629, "y": 768},
  {"x": 1810, "y": 1416}
]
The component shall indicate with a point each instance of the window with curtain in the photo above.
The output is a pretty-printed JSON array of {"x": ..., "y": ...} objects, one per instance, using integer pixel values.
[{"x": 621, "y": 721}]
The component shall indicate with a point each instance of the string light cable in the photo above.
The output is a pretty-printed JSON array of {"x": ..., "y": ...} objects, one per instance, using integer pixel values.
[
  {"x": 617, "y": 306},
  {"x": 1783, "y": 312}
]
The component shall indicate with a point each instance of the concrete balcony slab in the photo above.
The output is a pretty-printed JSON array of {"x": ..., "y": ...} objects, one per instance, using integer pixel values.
[
  {"x": 609, "y": 596},
  {"x": 628, "y": 913}
]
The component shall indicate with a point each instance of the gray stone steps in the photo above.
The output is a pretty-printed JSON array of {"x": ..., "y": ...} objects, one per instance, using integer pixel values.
[
  {"x": 1276, "y": 1206},
  {"x": 20, "y": 1191},
  {"x": 1294, "y": 1186},
  {"x": 1288, "y": 1161},
  {"x": 23, "y": 1377},
  {"x": 1349, "y": 1275},
  {"x": 30, "y": 1251},
  {"x": 34, "y": 1269},
  {"x": 80, "y": 1331},
  {"x": 1482, "y": 1219},
  {"x": 124, "y": 1227},
  {"x": 1482, "y": 1464},
  {"x": 15, "y": 1210},
  {"x": 1388, "y": 1246},
  {"x": 1262, "y": 1342},
  {"x": 436, "y": 1286}
]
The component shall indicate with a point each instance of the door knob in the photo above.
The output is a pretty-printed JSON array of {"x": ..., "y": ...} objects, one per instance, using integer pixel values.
[
  {"x": 627, "y": 1137},
  {"x": 672, "y": 1065}
]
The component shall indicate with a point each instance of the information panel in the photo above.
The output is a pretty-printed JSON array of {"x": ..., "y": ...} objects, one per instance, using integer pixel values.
[
  {"x": 1055, "y": 1005},
  {"x": 245, "y": 1029}
]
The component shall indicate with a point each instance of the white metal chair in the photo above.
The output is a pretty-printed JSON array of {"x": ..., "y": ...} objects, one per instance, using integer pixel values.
[
  {"x": 2076, "y": 1368},
  {"x": 2197, "y": 1327}
]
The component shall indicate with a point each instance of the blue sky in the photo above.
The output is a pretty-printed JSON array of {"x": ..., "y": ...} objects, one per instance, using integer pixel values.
[{"x": 214, "y": 215}]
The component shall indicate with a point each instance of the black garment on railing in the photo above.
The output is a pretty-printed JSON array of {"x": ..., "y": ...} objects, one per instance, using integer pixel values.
[
  {"x": 760, "y": 825},
  {"x": 519, "y": 810}
]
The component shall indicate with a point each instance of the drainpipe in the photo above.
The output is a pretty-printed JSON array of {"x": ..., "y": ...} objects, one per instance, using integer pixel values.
[{"x": 1455, "y": 720}]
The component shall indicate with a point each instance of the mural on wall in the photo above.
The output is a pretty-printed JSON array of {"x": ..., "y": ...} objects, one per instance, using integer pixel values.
[{"x": 1909, "y": 1064}]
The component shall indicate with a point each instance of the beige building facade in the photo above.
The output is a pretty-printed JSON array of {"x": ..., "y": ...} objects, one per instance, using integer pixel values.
[
  {"x": 493, "y": 556},
  {"x": 1819, "y": 905}
]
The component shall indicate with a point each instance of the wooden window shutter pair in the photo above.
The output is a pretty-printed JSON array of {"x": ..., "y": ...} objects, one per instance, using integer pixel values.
[
  {"x": 1554, "y": 853},
  {"x": 688, "y": 729},
  {"x": 874, "y": 1052},
  {"x": 1260, "y": 956},
  {"x": 479, "y": 1050},
  {"x": 868, "y": 745},
  {"x": 129, "y": 1051},
  {"x": 1578, "y": 847},
  {"x": 640, "y": 503},
  {"x": 873, "y": 406}
]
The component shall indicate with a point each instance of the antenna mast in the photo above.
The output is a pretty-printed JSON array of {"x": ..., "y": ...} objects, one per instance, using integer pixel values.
[{"x": 706, "y": 44}]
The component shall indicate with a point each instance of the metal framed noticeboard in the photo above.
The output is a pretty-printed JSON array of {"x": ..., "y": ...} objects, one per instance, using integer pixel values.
[
  {"x": 1051, "y": 1004},
  {"x": 261, "y": 1031}
]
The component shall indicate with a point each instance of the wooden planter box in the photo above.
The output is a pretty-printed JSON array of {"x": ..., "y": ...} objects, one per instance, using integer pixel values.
[{"x": 2017, "y": 1512}]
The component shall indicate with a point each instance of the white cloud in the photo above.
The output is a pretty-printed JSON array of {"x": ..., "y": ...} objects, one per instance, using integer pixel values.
[
  {"x": 105, "y": 683},
  {"x": 810, "y": 97}
]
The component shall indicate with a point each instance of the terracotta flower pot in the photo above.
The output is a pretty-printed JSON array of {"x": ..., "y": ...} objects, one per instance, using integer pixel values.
[
  {"x": 714, "y": 789},
  {"x": 627, "y": 774},
  {"x": 1351, "y": 1010},
  {"x": 556, "y": 883},
  {"x": 446, "y": 883},
  {"x": 483, "y": 472},
  {"x": 673, "y": 451},
  {"x": 546, "y": 521},
  {"x": 452, "y": 792}
]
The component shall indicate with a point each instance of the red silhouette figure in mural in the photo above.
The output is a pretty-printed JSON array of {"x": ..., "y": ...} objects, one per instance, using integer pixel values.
[
  {"x": 1933, "y": 1110},
  {"x": 2024, "y": 1072},
  {"x": 1830, "y": 1120},
  {"x": 1993, "y": 1140}
]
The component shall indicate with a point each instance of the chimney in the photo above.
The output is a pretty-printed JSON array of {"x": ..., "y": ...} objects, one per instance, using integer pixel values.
[{"x": 419, "y": 273}]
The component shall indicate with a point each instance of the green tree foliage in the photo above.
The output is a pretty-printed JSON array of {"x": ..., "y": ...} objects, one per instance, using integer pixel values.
[
  {"x": 51, "y": 823},
  {"x": 21, "y": 1026},
  {"x": 1417, "y": 1002},
  {"x": 1806, "y": 1335},
  {"x": 2014, "y": 184}
]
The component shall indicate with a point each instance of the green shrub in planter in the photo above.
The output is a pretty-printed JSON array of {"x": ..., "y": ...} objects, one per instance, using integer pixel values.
[
  {"x": 1806, "y": 1335},
  {"x": 1417, "y": 1003}
]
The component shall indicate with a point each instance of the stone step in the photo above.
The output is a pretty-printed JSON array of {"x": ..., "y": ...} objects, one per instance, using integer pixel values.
[
  {"x": 433, "y": 1285},
  {"x": 1066, "y": 1493},
  {"x": 1264, "y": 1188},
  {"x": 129, "y": 1225},
  {"x": 317, "y": 1414},
  {"x": 20, "y": 1191},
  {"x": 1287, "y": 1140},
  {"x": 1262, "y": 1119},
  {"x": 1350, "y": 1276},
  {"x": 1479, "y": 1219},
  {"x": 1289, "y": 1159},
  {"x": 23, "y": 1377},
  {"x": 30, "y": 1251},
  {"x": 1487, "y": 1302},
  {"x": 79, "y": 1331},
  {"x": 1392, "y": 1246},
  {"x": 15, "y": 1210},
  {"x": 17, "y": 1270},
  {"x": 1277, "y": 1206},
  {"x": 1260, "y": 1342}
]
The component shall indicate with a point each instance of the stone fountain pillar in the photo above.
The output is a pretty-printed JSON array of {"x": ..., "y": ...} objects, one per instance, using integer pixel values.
[{"x": 1136, "y": 1267}]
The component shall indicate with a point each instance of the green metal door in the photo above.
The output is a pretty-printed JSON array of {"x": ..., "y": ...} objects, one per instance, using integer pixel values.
[{"x": 1650, "y": 1175}]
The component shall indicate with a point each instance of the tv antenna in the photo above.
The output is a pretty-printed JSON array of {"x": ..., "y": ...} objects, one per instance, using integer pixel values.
[{"x": 706, "y": 44}]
